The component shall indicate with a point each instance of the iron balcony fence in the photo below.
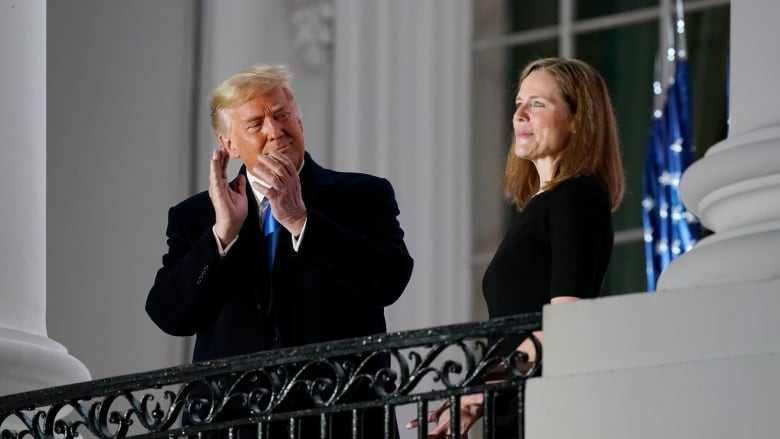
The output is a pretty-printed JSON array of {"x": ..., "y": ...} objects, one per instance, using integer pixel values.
[{"x": 304, "y": 392}]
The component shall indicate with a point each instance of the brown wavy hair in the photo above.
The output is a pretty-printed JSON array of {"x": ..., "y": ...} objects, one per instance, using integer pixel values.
[{"x": 591, "y": 149}]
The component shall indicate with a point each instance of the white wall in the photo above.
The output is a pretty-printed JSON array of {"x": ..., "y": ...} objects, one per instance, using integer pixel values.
[
  {"x": 120, "y": 145},
  {"x": 120, "y": 78}
]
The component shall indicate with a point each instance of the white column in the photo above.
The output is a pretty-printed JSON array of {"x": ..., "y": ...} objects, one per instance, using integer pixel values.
[
  {"x": 402, "y": 100},
  {"x": 735, "y": 188},
  {"x": 28, "y": 358}
]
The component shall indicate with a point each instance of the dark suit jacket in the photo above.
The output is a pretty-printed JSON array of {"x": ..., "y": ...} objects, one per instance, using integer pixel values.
[{"x": 351, "y": 264}]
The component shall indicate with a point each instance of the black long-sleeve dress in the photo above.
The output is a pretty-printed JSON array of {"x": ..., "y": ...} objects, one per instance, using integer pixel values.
[{"x": 559, "y": 245}]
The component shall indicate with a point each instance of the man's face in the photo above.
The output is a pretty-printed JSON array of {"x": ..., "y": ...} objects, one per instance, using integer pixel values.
[{"x": 262, "y": 124}]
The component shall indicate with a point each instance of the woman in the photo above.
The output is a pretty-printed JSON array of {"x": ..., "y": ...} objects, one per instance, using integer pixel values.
[{"x": 565, "y": 176}]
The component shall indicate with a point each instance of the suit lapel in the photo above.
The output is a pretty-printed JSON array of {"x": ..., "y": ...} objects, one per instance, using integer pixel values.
[{"x": 313, "y": 179}]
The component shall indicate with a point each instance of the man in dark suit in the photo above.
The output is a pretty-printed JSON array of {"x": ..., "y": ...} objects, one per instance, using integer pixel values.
[{"x": 339, "y": 256}]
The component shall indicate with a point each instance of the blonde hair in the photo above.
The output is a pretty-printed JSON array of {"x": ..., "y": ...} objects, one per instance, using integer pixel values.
[
  {"x": 239, "y": 88},
  {"x": 591, "y": 149}
]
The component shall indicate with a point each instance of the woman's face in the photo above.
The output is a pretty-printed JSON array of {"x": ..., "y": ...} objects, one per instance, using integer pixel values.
[{"x": 542, "y": 121}]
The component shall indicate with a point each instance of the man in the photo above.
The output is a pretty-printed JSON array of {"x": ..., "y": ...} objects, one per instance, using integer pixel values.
[{"x": 339, "y": 259}]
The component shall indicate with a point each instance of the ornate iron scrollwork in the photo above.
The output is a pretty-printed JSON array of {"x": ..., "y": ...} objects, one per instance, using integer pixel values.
[{"x": 386, "y": 370}]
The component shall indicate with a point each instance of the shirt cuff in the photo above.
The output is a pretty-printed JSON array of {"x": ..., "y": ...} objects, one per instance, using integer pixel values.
[
  {"x": 296, "y": 241},
  {"x": 223, "y": 251}
]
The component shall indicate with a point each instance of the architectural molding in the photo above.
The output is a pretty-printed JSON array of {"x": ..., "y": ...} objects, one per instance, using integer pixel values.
[{"x": 312, "y": 26}]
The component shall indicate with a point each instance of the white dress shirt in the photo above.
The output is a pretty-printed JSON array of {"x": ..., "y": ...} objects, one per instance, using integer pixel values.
[{"x": 296, "y": 240}]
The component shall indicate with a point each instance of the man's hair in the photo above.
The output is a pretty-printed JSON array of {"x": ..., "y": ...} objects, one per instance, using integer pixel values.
[
  {"x": 243, "y": 86},
  {"x": 591, "y": 149}
]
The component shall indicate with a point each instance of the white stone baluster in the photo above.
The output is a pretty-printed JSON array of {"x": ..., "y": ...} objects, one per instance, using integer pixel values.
[{"x": 735, "y": 188}]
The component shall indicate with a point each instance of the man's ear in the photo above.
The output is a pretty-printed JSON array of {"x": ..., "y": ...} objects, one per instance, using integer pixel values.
[{"x": 227, "y": 145}]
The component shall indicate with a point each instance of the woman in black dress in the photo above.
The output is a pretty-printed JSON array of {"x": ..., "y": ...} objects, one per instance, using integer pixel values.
[{"x": 565, "y": 176}]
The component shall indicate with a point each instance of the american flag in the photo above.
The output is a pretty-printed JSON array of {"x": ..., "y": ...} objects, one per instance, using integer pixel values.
[{"x": 669, "y": 229}]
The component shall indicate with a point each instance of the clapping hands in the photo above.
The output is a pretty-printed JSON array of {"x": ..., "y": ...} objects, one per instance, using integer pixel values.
[{"x": 230, "y": 206}]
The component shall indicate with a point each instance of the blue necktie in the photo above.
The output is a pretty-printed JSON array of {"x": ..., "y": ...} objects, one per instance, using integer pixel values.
[{"x": 270, "y": 229}]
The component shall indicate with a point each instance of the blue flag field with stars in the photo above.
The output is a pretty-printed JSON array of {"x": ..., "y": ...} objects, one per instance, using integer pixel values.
[{"x": 669, "y": 229}]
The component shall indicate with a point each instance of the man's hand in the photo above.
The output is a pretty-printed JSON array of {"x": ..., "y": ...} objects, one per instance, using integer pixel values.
[
  {"x": 470, "y": 412},
  {"x": 230, "y": 206},
  {"x": 284, "y": 195}
]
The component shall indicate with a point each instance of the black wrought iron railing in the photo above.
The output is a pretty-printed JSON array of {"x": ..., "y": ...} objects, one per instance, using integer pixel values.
[{"x": 314, "y": 391}]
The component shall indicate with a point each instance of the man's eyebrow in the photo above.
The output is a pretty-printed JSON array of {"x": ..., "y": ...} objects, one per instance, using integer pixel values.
[
  {"x": 255, "y": 118},
  {"x": 261, "y": 116}
]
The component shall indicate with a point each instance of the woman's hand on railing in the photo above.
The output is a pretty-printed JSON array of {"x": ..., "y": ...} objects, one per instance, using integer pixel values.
[{"x": 470, "y": 412}]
